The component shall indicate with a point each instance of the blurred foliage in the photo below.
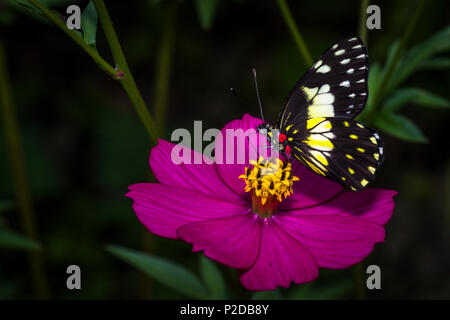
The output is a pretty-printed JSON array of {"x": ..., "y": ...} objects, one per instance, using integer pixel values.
[
  {"x": 172, "y": 275},
  {"x": 213, "y": 279},
  {"x": 84, "y": 145},
  {"x": 12, "y": 240},
  {"x": 206, "y": 11},
  {"x": 421, "y": 56}
]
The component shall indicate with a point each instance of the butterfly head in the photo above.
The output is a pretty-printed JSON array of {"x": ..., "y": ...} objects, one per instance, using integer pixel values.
[{"x": 278, "y": 141}]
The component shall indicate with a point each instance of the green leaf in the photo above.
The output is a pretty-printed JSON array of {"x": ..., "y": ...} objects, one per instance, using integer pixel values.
[
  {"x": 12, "y": 240},
  {"x": 390, "y": 55},
  {"x": 164, "y": 271},
  {"x": 400, "y": 127},
  {"x": 414, "y": 96},
  {"x": 373, "y": 83},
  {"x": 27, "y": 8},
  {"x": 310, "y": 291},
  {"x": 89, "y": 24},
  {"x": 414, "y": 57},
  {"x": 267, "y": 295},
  {"x": 206, "y": 12},
  {"x": 212, "y": 278}
]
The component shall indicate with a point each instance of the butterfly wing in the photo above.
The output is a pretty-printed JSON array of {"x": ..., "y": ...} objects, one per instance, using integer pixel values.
[
  {"x": 341, "y": 149},
  {"x": 336, "y": 85},
  {"x": 317, "y": 117}
]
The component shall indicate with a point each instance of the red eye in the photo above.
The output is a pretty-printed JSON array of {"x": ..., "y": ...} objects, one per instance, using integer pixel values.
[
  {"x": 287, "y": 150},
  {"x": 282, "y": 137}
]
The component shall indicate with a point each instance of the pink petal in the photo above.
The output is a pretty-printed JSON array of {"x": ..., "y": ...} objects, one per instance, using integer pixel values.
[
  {"x": 335, "y": 241},
  {"x": 200, "y": 177},
  {"x": 231, "y": 170},
  {"x": 375, "y": 205},
  {"x": 163, "y": 209},
  {"x": 281, "y": 260},
  {"x": 312, "y": 189},
  {"x": 233, "y": 241}
]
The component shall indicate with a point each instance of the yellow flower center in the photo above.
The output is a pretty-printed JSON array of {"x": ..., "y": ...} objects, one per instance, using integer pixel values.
[{"x": 269, "y": 182}]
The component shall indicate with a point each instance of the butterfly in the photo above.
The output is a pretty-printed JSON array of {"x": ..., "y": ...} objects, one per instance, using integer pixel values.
[{"x": 317, "y": 125}]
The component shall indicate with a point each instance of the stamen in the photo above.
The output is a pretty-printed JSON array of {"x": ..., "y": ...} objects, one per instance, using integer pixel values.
[{"x": 270, "y": 183}]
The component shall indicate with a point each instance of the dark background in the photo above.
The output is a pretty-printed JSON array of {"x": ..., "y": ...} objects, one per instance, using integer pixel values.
[{"x": 84, "y": 143}]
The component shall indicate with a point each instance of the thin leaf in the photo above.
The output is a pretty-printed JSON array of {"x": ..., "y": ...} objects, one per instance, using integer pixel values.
[
  {"x": 267, "y": 295},
  {"x": 373, "y": 83},
  {"x": 400, "y": 127},
  {"x": 89, "y": 24},
  {"x": 164, "y": 271},
  {"x": 206, "y": 12},
  {"x": 412, "y": 60},
  {"x": 212, "y": 278},
  {"x": 25, "y": 7},
  {"x": 12, "y": 240},
  {"x": 390, "y": 55},
  {"x": 414, "y": 96}
]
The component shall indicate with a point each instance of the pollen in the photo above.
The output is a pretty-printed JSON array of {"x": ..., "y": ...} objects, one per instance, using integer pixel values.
[{"x": 270, "y": 183}]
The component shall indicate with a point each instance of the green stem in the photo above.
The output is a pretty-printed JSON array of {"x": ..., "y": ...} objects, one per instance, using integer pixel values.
[
  {"x": 163, "y": 67},
  {"x": 127, "y": 81},
  {"x": 105, "y": 66},
  {"x": 121, "y": 72},
  {"x": 362, "y": 21},
  {"x": 360, "y": 285},
  {"x": 384, "y": 82},
  {"x": 22, "y": 187},
  {"x": 289, "y": 20}
]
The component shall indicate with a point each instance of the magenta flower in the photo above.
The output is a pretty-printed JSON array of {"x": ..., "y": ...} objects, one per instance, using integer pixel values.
[{"x": 238, "y": 220}]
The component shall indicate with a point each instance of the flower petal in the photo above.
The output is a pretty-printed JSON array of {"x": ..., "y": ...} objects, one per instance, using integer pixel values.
[
  {"x": 163, "y": 209},
  {"x": 200, "y": 177},
  {"x": 375, "y": 205},
  {"x": 312, "y": 189},
  {"x": 233, "y": 154},
  {"x": 233, "y": 241},
  {"x": 335, "y": 241},
  {"x": 281, "y": 260}
]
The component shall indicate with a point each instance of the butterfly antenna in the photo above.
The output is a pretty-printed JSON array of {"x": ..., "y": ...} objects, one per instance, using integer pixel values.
[{"x": 257, "y": 94}]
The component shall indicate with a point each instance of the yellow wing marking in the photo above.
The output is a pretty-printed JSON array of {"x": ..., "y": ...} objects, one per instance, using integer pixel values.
[
  {"x": 319, "y": 156},
  {"x": 324, "y": 126},
  {"x": 319, "y": 142},
  {"x": 314, "y": 168},
  {"x": 310, "y": 93},
  {"x": 311, "y": 123}
]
